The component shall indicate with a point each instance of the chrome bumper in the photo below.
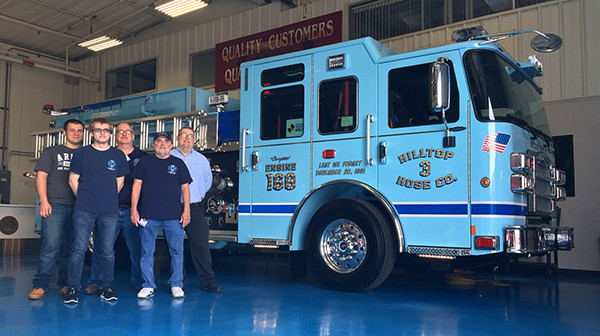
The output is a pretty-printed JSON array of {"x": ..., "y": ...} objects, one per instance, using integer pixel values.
[{"x": 538, "y": 239}]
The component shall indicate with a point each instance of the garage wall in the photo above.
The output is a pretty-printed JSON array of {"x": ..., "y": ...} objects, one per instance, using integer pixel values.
[
  {"x": 565, "y": 78},
  {"x": 581, "y": 118},
  {"x": 29, "y": 89},
  {"x": 173, "y": 50},
  {"x": 568, "y": 73}
]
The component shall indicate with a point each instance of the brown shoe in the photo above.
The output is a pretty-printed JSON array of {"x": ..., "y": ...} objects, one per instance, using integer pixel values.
[
  {"x": 36, "y": 294},
  {"x": 63, "y": 291},
  {"x": 91, "y": 289}
]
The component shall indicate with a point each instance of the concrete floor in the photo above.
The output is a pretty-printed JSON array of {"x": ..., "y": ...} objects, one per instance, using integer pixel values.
[{"x": 259, "y": 298}]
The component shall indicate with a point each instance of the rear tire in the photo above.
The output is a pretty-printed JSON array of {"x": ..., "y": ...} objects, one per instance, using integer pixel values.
[{"x": 350, "y": 246}]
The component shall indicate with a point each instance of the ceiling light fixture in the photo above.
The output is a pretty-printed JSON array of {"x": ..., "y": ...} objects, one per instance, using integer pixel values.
[
  {"x": 179, "y": 7},
  {"x": 100, "y": 43}
]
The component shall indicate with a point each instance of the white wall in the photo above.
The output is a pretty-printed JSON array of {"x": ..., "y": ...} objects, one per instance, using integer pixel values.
[
  {"x": 29, "y": 89},
  {"x": 581, "y": 118},
  {"x": 173, "y": 50}
]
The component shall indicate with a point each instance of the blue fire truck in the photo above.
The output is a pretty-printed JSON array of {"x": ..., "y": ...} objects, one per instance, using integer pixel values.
[{"x": 351, "y": 155}]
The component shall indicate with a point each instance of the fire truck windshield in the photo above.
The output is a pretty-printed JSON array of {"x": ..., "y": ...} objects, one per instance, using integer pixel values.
[{"x": 501, "y": 92}]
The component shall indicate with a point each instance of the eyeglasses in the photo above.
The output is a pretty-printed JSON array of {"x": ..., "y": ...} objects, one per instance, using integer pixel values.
[
  {"x": 186, "y": 135},
  {"x": 102, "y": 130},
  {"x": 124, "y": 132}
]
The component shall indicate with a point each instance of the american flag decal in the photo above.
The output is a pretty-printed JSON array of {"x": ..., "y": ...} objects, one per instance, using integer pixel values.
[{"x": 496, "y": 142}]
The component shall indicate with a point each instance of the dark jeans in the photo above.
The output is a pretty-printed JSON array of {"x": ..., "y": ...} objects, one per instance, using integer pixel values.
[
  {"x": 57, "y": 241},
  {"x": 131, "y": 234},
  {"x": 197, "y": 234},
  {"x": 83, "y": 224}
]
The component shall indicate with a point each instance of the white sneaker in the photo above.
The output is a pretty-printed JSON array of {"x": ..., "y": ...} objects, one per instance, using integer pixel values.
[
  {"x": 177, "y": 292},
  {"x": 145, "y": 293}
]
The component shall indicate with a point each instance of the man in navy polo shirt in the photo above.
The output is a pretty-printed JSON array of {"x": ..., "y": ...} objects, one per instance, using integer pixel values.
[
  {"x": 97, "y": 175},
  {"x": 162, "y": 180}
]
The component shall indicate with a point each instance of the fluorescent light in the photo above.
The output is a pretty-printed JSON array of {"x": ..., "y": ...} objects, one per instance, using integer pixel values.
[
  {"x": 179, "y": 7},
  {"x": 100, "y": 43}
]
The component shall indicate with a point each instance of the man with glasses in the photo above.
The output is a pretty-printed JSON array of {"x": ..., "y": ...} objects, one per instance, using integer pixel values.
[
  {"x": 56, "y": 209},
  {"x": 131, "y": 234},
  {"x": 197, "y": 230},
  {"x": 97, "y": 175}
]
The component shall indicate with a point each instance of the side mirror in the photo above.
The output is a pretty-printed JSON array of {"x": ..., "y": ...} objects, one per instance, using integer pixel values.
[
  {"x": 440, "y": 85},
  {"x": 546, "y": 43}
]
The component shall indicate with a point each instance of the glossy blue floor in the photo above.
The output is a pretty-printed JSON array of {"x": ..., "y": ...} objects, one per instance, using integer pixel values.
[{"x": 259, "y": 298}]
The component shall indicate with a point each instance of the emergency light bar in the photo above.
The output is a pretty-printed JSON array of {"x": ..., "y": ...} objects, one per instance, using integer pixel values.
[{"x": 49, "y": 109}]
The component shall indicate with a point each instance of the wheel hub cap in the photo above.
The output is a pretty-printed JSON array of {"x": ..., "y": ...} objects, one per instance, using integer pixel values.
[{"x": 343, "y": 246}]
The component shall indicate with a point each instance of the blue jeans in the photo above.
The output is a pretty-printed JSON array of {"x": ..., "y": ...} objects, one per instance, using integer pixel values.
[
  {"x": 174, "y": 233},
  {"x": 83, "y": 224},
  {"x": 131, "y": 235},
  {"x": 57, "y": 240}
]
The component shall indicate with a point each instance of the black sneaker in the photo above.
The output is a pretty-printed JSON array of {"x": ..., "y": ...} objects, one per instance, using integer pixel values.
[
  {"x": 211, "y": 287},
  {"x": 71, "y": 296},
  {"x": 108, "y": 294}
]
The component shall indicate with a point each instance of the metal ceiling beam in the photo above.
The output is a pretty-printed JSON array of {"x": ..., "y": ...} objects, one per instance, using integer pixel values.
[
  {"x": 50, "y": 68},
  {"x": 82, "y": 18},
  {"x": 39, "y": 28}
]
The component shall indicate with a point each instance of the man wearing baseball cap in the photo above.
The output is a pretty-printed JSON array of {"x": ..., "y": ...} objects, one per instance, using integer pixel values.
[{"x": 160, "y": 182}]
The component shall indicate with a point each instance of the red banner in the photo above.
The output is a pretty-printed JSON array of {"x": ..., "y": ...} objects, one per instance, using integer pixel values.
[{"x": 320, "y": 31}]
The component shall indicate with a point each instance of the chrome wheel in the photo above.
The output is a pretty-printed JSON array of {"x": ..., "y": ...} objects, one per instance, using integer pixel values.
[{"x": 343, "y": 246}]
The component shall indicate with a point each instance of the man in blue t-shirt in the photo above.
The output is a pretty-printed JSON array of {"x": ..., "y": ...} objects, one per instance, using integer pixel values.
[
  {"x": 56, "y": 209},
  {"x": 131, "y": 234},
  {"x": 162, "y": 181},
  {"x": 97, "y": 175}
]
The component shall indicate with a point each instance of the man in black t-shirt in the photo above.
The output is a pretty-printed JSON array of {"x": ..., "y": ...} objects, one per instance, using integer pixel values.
[
  {"x": 161, "y": 180},
  {"x": 56, "y": 209}
]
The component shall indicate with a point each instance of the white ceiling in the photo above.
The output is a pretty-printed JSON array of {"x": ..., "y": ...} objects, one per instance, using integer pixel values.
[{"x": 55, "y": 27}]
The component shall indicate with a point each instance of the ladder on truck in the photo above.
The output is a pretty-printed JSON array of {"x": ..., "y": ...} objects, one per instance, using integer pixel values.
[{"x": 204, "y": 124}]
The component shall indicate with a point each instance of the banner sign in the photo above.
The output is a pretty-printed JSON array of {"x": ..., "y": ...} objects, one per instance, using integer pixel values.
[{"x": 316, "y": 32}]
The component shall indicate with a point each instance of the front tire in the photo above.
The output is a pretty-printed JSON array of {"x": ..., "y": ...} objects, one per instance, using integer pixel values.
[{"x": 350, "y": 246}]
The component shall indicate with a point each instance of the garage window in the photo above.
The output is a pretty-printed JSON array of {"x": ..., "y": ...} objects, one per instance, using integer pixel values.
[{"x": 134, "y": 78}]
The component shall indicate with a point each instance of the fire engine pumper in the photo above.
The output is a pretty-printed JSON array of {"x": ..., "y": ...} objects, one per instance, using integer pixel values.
[{"x": 351, "y": 155}]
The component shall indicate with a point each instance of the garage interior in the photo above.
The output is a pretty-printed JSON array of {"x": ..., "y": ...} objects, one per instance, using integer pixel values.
[{"x": 42, "y": 63}]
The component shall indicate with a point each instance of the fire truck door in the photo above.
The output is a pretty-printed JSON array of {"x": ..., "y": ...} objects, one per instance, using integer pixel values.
[
  {"x": 280, "y": 145},
  {"x": 345, "y": 109},
  {"x": 426, "y": 182}
]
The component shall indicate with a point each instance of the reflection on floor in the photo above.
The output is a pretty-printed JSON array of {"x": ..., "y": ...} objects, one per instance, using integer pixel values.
[{"x": 259, "y": 298}]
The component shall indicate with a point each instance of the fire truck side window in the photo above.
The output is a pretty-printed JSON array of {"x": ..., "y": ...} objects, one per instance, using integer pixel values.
[
  {"x": 282, "y": 75},
  {"x": 282, "y": 113},
  {"x": 337, "y": 105},
  {"x": 408, "y": 98}
]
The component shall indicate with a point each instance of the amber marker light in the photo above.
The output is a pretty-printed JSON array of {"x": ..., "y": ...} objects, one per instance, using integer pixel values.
[{"x": 485, "y": 182}]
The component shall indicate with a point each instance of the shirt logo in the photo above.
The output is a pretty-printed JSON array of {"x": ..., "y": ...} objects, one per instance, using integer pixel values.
[
  {"x": 64, "y": 161},
  {"x": 135, "y": 161},
  {"x": 172, "y": 169},
  {"x": 111, "y": 165}
]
